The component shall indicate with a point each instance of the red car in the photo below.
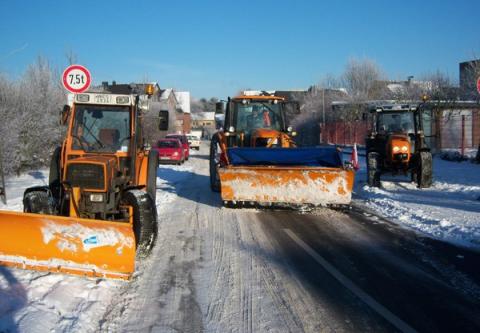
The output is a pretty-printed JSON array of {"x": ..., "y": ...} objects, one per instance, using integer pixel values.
[
  {"x": 170, "y": 151},
  {"x": 183, "y": 139}
]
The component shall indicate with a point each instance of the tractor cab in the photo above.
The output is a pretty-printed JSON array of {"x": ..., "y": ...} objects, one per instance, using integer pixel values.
[
  {"x": 257, "y": 121},
  {"x": 396, "y": 143}
]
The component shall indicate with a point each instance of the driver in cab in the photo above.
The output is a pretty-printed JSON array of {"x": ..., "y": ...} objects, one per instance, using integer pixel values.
[{"x": 261, "y": 117}]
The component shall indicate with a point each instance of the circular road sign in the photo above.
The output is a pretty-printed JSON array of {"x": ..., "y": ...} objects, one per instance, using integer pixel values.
[
  {"x": 478, "y": 85},
  {"x": 76, "y": 78}
]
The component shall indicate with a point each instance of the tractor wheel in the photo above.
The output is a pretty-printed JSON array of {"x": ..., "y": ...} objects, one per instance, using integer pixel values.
[
  {"x": 144, "y": 220},
  {"x": 214, "y": 164},
  {"x": 373, "y": 172},
  {"x": 37, "y": 202},
  {"x": 424, "y": 169},
  {"x": 152, "y": 174}
]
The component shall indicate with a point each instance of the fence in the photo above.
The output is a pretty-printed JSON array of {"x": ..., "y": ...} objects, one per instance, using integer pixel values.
[
  {"x": 457, "y": 130},
  {"x": 345, "y": 133}
]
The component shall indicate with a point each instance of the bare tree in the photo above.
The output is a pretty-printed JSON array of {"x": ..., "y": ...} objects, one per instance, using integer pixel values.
[
  {"x": 29, "y": 111},
  {"x": 361, "y": 78}
]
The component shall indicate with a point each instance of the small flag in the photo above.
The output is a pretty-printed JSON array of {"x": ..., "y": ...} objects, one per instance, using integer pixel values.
[{"x": 354, "y": 158}]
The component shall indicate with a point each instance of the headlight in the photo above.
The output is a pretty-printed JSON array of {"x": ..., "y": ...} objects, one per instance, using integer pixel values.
[
  {"x": 175, "y": 154},
  {"x": 396, "y": 149},
  {"x": 404, "y": 149},
  {"x": 96, "y": 197}
]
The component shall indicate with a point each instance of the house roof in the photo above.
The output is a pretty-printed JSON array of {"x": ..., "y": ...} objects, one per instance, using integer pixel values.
[
  {"x": 165, "y": 93},
  {"x": 183, "y": 98}
]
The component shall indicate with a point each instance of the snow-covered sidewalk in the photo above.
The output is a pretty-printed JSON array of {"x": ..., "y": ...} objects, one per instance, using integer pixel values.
[{"x": 449, "y": 210}]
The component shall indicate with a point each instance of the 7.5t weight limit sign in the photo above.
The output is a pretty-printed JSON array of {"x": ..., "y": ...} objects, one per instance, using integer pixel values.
[{"x": 76, "y": 78}]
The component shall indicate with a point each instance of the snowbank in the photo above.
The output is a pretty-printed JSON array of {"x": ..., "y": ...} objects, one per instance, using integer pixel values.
[{"x": 449, "y": 210}]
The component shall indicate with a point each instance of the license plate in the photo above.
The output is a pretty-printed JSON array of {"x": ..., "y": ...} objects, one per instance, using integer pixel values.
[{"x": 164, "y": 157}]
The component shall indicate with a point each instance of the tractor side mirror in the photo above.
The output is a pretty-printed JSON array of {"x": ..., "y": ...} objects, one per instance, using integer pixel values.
[
  {"x": 220, "y": 108},
  {"x": 163, "y": 120},
  {"x": 64, "y": 114}
]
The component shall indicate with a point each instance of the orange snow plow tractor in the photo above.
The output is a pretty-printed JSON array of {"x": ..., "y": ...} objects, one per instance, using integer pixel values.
[
  {"x": 98, "y": 212},
  {"x": 255, "y": 159}
]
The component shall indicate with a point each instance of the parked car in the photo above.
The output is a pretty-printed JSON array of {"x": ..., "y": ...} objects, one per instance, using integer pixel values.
[
  {"x": 183, "y": 139},
  {"x": 170, "y": 151},
  {"x": 193, "y": 142}
]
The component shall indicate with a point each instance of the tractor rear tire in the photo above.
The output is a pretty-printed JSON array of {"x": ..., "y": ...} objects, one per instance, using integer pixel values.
[
  {"x": 37, "y": 202},
  {"x": 373, "y": 172},
  {"x": 214, "y": 164},
  {"x": 424, "y": 169},
  {"x": 152, "y": 174},
  {"x": 145, "y": 226}
]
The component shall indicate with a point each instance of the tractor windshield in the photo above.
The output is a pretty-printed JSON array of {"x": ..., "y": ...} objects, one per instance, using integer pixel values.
[
  {"x": 101, "y": 128},
  {"x": 258, "y": 114},
  {"x": 395, "y": 122}
]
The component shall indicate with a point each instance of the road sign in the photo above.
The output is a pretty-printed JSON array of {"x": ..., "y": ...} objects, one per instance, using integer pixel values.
[
  {"x": 76, "y": 78},
  {"x": 478, "y": 85}
]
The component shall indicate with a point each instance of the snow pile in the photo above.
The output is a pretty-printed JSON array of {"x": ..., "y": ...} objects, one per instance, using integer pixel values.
[
  {"x": 449, "y": 210},
  {"x": 43, "y": 302}
]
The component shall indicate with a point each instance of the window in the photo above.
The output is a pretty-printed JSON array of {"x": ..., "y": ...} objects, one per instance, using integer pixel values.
[{"x": 101, "y": 128}]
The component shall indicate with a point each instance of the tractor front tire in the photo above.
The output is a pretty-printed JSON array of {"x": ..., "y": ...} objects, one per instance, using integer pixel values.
[
  {"x": 145, "y": 226},
  {"x": 214, "y": 164},
  {"x": 424, "y": 169},
  {"x": 37, "y": 202},
  {"x": 373, "y": 172}
]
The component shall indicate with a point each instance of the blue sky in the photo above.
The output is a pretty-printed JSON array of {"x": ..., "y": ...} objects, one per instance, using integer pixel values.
[{"x": 215, "y": 48}]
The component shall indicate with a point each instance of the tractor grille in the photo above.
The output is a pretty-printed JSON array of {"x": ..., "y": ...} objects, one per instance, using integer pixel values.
[{"x": 86, "y": 176}]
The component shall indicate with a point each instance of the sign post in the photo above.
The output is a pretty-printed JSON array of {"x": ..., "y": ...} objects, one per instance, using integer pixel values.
[{"x": 76, "y": 79}]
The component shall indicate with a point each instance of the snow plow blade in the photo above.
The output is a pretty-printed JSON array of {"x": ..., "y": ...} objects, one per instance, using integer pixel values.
[
  {"x": 311, "y": 175},
  {"x": 67, "y": 244},
  {"x": 287, "y": 185}
]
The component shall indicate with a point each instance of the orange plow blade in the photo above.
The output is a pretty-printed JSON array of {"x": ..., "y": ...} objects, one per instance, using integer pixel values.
[
  {"x": 290, "y": 185},
  {"x": 68, "y": 245}
]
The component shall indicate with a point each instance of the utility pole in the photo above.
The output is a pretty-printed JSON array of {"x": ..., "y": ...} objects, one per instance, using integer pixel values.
[
  {"x": 3, "y": 192},
  {"x": 323, "y": 114}
]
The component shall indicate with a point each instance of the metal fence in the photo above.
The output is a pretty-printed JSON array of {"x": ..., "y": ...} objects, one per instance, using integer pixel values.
[
  {"x": 457, "y": 130},
  {"x": 345, "y": 133}
]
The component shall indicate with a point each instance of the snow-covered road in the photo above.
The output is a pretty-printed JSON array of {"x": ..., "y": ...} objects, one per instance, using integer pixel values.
[{"x": 215, "y": 269}]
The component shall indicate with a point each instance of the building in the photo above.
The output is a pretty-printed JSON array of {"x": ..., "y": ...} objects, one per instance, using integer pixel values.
[
  {"x": 204, "y": 121},
  {"x": 183, "y": 102}
]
